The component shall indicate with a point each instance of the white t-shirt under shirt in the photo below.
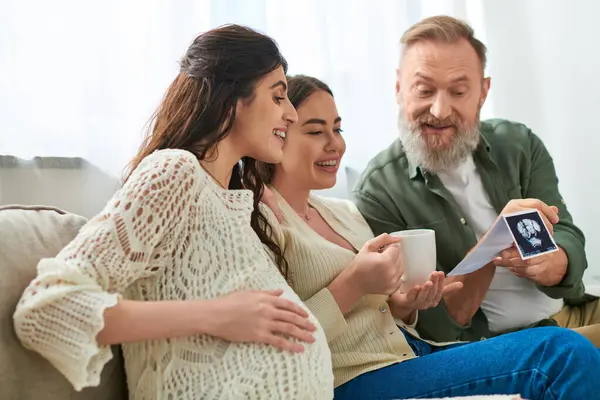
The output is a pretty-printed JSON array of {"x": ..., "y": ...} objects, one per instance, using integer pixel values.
[{"x": 510, "y": 302}]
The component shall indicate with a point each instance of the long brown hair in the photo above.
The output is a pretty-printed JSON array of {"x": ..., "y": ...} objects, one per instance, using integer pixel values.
[{"x": 219, "y": 68}]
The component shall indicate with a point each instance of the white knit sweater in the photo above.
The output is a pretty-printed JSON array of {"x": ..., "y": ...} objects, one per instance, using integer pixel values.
[{"x": 171, "y": 233}]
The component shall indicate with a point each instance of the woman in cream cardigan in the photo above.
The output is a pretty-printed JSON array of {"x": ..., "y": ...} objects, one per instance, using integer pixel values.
[{"x": 350, "y": 281}]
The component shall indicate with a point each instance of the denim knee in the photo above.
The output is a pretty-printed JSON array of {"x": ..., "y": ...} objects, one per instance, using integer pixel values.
[
  {"x": 565, "y": 336},
  {"x": 562, "y": 341}
]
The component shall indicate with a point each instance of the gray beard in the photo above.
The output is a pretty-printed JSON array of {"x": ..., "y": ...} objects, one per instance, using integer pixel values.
[{"x": 435, "y": 160}]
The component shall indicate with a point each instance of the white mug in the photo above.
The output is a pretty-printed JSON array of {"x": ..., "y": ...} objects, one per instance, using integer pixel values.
[{"x": 418, "y": 247}]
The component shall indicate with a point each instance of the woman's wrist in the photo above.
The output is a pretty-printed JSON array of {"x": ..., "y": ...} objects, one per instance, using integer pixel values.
[
  {"x": 205, "y": 316},
  {"x": 345, "y": 290},
  {"x": 406, "y": 314}
]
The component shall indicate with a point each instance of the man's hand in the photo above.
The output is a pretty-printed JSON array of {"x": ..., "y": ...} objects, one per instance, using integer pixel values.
[
  {"x": 546, "y": 270},
  {"x": 548, "y": 213}
]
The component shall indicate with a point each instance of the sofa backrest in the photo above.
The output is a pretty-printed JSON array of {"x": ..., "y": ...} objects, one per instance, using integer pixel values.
[
  {"x": 71, "y": 184},
  {"x": 27, "y": 234}
]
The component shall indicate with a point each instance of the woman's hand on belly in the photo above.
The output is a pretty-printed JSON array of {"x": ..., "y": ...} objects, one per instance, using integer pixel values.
[{"x": 258, "y": 317}]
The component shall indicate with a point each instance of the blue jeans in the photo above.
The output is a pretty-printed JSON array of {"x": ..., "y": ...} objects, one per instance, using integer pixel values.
[{"x": 539, "y": 364}]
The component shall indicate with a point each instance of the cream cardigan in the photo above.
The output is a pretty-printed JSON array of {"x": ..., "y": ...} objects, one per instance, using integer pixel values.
[{"x": 368, "y": 337}]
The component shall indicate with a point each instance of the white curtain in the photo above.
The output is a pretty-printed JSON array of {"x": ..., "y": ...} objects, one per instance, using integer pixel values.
[{"x": 81, "y": 78}]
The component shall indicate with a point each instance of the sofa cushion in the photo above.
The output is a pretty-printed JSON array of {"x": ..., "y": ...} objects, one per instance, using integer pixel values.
[{"x": 27, "y": 234}]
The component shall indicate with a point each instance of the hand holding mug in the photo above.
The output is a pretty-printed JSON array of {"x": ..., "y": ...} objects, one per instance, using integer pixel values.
[{"x": 378, "y": 266}]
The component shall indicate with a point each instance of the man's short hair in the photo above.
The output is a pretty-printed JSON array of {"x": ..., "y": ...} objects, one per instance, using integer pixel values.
[{"x": 445, "y": 29}]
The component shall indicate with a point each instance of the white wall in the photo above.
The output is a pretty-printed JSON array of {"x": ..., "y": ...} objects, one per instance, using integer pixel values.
[{"x": 544, "y": 63}]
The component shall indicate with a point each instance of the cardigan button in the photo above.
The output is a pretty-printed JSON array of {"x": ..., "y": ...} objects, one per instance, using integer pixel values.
[
  {"x": 463, "y": 221},
  {"x": 383, "y": 309}
]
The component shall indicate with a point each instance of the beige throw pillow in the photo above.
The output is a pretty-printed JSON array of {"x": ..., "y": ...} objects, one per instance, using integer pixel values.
[{"x": 27, "y": 234}]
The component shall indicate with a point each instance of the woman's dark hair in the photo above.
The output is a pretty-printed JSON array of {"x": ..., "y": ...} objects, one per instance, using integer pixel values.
[
  {"x": 219, "y": 68},
  {"x": 300, "y": 87}
]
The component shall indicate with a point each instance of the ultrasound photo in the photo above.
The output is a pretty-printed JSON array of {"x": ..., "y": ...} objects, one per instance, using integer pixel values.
[{"x": 530, "y": 234}]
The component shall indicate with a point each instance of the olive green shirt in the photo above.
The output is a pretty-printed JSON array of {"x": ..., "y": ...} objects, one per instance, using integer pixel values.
[{"x": 393, "y": 194}]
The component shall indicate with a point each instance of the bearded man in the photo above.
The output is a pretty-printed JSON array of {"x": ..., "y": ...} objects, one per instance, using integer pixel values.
[{"x": 450, "y": 172}]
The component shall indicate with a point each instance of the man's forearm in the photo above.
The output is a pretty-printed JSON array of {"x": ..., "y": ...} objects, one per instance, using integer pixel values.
[{"x": 464, "y": 303}]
